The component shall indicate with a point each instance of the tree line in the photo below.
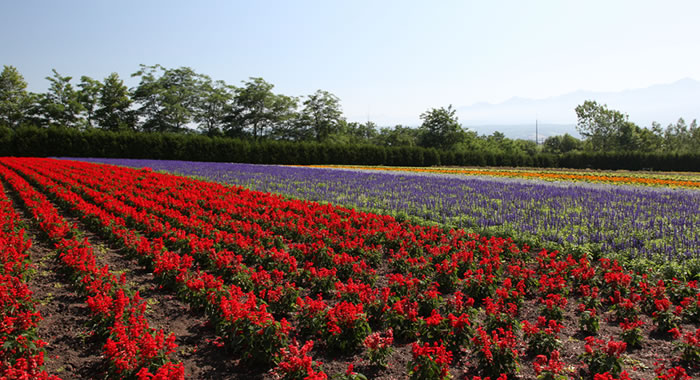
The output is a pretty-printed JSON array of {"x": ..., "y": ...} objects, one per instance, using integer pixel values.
[
  {"x": 182, "y": 101},
  {"x": 72, "y": 142}
]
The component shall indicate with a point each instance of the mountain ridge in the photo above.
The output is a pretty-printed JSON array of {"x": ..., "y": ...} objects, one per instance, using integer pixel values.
[{"x": 664, "y": 103}]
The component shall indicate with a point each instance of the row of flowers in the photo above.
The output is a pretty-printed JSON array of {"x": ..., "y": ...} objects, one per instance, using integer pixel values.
[
  {"x": 133, "y": 348},
  {"x": 451, "y": 292},
  {"x": 551, "y": 175},
  {"x": 21, "y": 350},
  {"x": 240, "y": 318}
]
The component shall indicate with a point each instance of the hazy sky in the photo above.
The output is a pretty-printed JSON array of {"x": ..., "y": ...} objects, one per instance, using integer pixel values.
[{"x": 389, "y": 59}]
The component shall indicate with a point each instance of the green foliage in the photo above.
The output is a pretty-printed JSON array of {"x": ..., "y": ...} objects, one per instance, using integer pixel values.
[
  {"x": 562, "y": 144},
  {"x": 322, "y": 114},
  {"x": 440, "y": 128},
  {"x": 58, "y": 141},
  {"x": 14, "y": 99},
  {"x": 185, "y": 102},
  {"x": 167, "y": 97},
  {"x": 599, "y": 125},
  {"x": 113, "y": 111},
  {"x": 258, "y": 111},
  {"x": 60, "y": 106},
  {"x": 88, "y": 96}
]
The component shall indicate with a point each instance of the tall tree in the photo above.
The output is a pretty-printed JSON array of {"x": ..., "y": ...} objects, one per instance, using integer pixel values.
[
  {"x": 113, "y": 111},
  {"x": 322, "y": 113},
  {"x": 167, "y": 101},
  {"x": 440, "y": 128},
  {"x": 603, "y": 128},
  {"x": 259, "y": 111},
  {"x": 60, "y": 104},
  {"x": 398, "y": 136},
  {"x": 14, "y": 99},
  {"x": 214, "y": 103},
  {"x": 88, "y": 96},
  {"x": 362, "y": 133}
]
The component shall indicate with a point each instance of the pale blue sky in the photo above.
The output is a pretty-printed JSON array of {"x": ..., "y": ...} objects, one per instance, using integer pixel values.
[{"x": 391, "y": 59}]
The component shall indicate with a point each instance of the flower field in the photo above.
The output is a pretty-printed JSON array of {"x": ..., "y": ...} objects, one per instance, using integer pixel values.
[
  {"x": 682, "y": 180},
  {"x": 293, "y": 289},
  {"x": 630, "y": 223}
]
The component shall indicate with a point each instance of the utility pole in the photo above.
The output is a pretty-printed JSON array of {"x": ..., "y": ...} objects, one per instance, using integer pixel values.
[{"x": 537, "y": 134}]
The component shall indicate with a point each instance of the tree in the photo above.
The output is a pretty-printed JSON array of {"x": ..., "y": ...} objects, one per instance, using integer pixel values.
[
  {"x": 322, "y": 114},
  {"x": 398, "y": 136},
  {"x": 603, "y": 128},
  {"x": 356, "y": 133},
  {"x": 214, "y": 103},
  {"x": 561, "y": 144},
  {"x": 440, "y": 128},
  {"x": 60, "y": 104},
  {"x": 88, "y": 96},
  {"x": 14, "y": 99},
  {"x": 258, "y": 110},
  {"x": 167, "y": 101},
  {"x": 113, "y": 111}
]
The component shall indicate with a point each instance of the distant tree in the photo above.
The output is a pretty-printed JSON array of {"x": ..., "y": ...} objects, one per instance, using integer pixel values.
[
  {"x": 628, "y": 137},
  {"x": 61, "y": 105},
  {"x": 360, "y": 133},
  {"x": 167, "y": 101},
  {"x": 88, "y": 97},
  {"x": 694, "y": 134},
  {"x": 260, "y": 111},
  {"x": 561, "y": 144},
  {"x": 440, "y": 128},
  {"x": 322, "y": 113},
  {"x": 528, "y": 147},
  {"x": 681, "y": 137},
  {"x": 14, "y": 99},
  {"x": 653, "y": 138},
  {"x": 605, "y": 129},
  {"x": 214, "y": 103},
  {"x": 398, "y": 136},
  {"x": 113, "y": 111}
]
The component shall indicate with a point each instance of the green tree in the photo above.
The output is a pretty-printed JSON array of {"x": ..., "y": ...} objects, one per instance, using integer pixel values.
[
  {"x": 260, "y": 112},
  {"x": 89, "y": 96},
  {"x": 605, "y": 129},
  {"x": 14, "y": 99},
  {"x": 167, "y": 101},
  {"x": 398, "y": 136},
  {"x": 214, "y": 103},
  {"x": 322, "y": 113},
  {"x": 113, "y": 111},
  {"x": 357, "y": 133},
  {"x": 561, "y": 144},
  {"x": 440, "y": 128},
  {"x": 60, "y": 104},
  {"x": 652, "y": 139}
]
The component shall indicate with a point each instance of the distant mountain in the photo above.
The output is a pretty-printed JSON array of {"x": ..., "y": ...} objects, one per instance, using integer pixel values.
[{"x": 515, "y": 117}]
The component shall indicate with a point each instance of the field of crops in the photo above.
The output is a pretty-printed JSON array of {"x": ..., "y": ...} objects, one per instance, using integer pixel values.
[
  {"x": 118, "y": 272},
  {"x": 632, "y": 223},
  {"x": 683, "y": 180}
]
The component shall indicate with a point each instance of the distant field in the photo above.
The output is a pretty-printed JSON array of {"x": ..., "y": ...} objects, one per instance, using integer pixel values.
[{"x": 665, "y": 179}]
